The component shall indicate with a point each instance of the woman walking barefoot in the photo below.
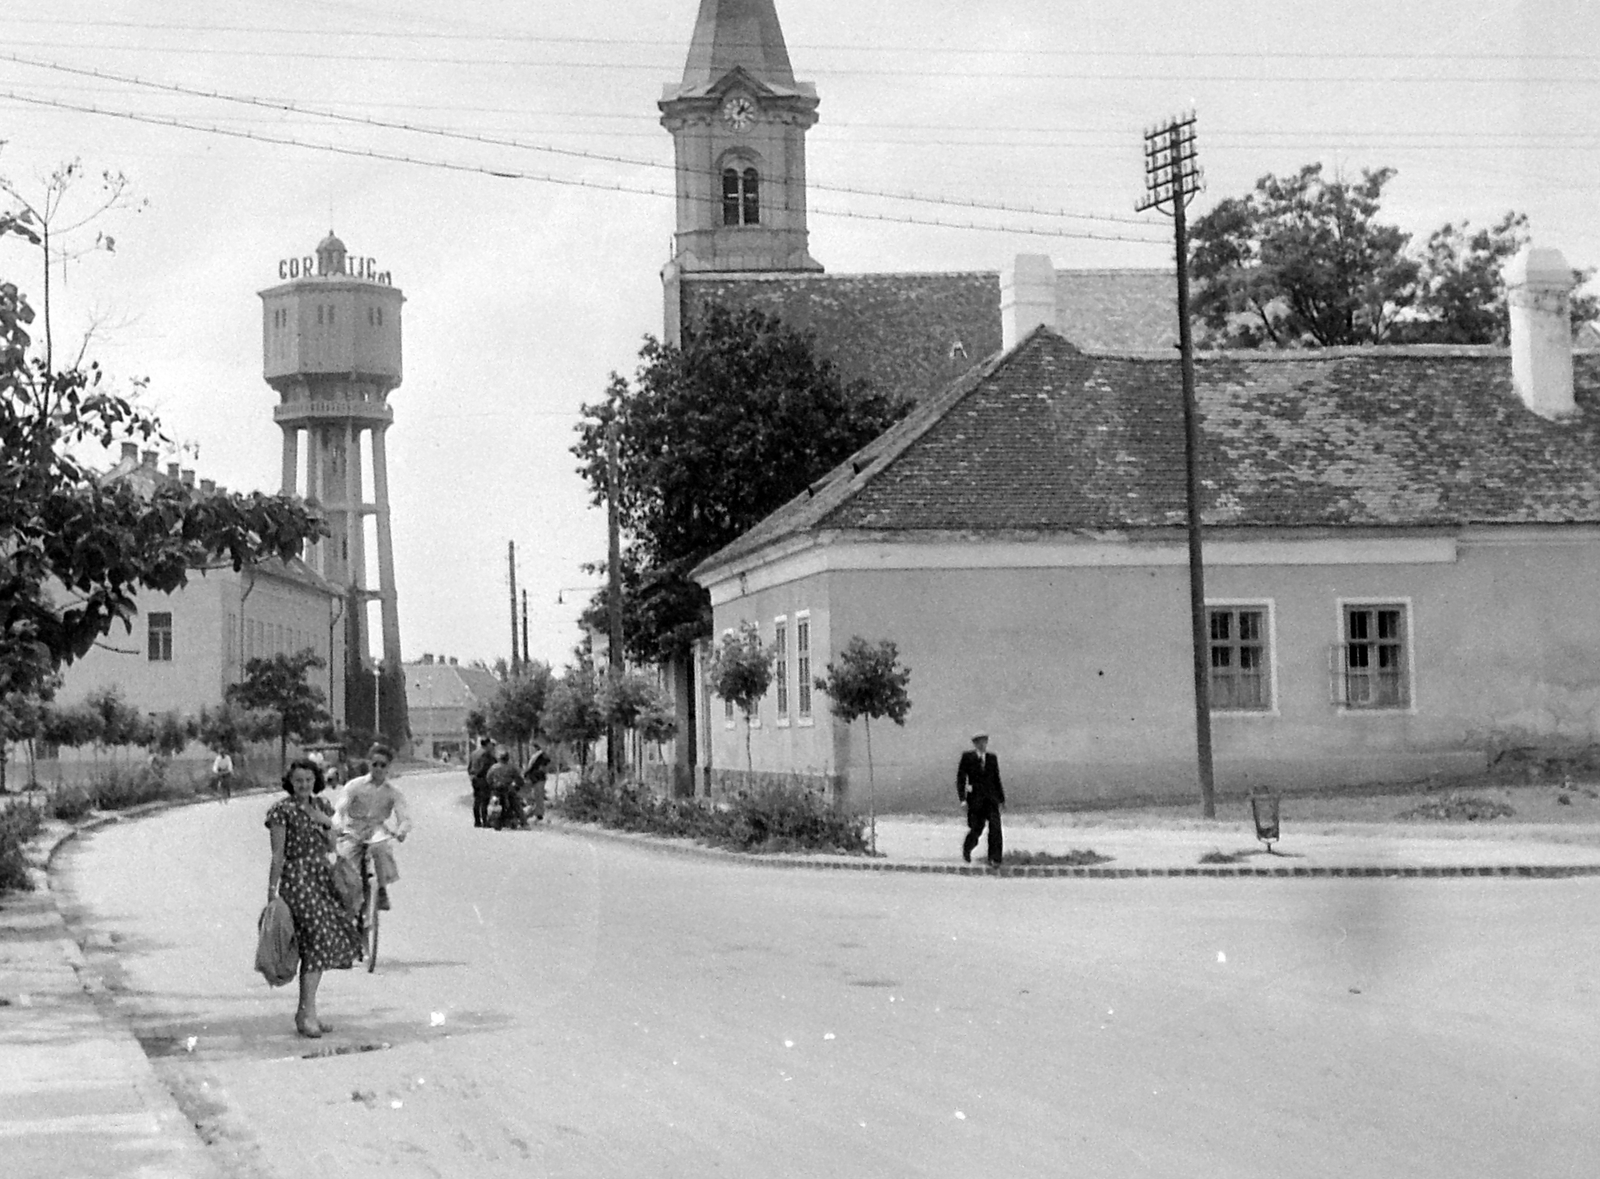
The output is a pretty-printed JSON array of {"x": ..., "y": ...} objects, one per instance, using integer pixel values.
[{"x": 324, "y": 930}]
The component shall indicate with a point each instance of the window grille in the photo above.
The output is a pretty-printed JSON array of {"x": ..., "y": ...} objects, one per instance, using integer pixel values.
[
  {"x": 1240, "y": 661},
  {"x": 1369, "y": 670},
  {"x": 160, "y": 638}
]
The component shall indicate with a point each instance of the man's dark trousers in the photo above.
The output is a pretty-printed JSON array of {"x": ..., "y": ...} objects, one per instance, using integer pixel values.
[
  {"x": 480, "y": 802},
  {"x": 981, "y": 809}
]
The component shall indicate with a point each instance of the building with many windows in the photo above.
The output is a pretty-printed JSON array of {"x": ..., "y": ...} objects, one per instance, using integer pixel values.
[
  {"x": 186, "y": 647},
  {"x": 1396, "y": 545}
]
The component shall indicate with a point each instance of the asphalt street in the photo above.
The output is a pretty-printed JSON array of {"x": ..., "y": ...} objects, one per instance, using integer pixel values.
[{"x": 550, "y": 1004}]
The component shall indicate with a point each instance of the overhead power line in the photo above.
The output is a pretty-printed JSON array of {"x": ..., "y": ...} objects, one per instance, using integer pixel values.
[
  {"x": 497, "y": 141},
  {"x": 1255, "y": 77},
  {"x": 796, "y": 46},
  {"x": 514, "y": 174}
]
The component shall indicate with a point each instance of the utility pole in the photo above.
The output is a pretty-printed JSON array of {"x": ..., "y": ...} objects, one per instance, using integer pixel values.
[
  {"x": 511, "y": 563},
  {"x": 526, "y": 662},
  {"x": 1172, "y": 178},
  {"x": 613, "y": 591}
]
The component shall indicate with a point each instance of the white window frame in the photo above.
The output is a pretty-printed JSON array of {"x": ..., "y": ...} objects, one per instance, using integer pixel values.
[
  {"x": 805, "y": 693},
  {"x": 1269, "y": 607},
  {"x": 780, "y": 639},
  {"x": 159, "y": 651},
  {"x": 1409, "y": 621}
]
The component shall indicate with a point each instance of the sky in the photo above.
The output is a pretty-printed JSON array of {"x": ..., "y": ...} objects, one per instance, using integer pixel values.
[{"x": 528, "y": 240}]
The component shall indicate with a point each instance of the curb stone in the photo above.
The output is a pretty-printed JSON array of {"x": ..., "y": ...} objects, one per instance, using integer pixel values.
[{"x": 679, "y": 847}]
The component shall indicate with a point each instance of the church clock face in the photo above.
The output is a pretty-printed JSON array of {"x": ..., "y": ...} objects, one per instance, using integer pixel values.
[{"x": 739, "y": 113}]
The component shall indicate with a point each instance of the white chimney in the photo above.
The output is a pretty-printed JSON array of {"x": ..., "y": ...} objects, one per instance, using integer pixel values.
[
  {"x": 1027, "y": 297},
  {"x": 1538, "y": 284}
]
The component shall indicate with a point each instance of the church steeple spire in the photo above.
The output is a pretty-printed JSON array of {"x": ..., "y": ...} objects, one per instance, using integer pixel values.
[
  {"x": 738, "y": 121},
  {"x": 742, "y": 34}
]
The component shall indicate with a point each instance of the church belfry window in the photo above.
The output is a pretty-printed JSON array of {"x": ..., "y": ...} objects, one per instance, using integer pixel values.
[{"x": 741, "y": 197}]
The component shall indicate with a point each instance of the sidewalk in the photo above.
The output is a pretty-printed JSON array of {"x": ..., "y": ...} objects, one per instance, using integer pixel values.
[{"x": 79, "y": 1099}]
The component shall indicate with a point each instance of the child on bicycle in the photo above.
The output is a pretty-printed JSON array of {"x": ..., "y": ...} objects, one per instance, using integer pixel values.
[{"x": 370, "y": 813}]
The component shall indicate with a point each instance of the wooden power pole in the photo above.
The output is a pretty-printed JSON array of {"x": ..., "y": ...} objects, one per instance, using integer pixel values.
[
  {"x": 1172, "y": 178},
  {"x": 613, "y": 590},
  {"x": 511, "y": 564}
]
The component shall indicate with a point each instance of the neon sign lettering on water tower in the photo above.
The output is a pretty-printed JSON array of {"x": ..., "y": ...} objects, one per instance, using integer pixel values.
[{"x": 353, "y": 267}]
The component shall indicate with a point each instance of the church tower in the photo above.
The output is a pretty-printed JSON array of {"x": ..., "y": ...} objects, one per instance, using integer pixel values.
[{"x": 738, "y": 121}]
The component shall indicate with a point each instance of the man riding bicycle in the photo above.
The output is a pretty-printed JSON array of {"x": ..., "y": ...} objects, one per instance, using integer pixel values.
[{"x": 370, "y": 814}]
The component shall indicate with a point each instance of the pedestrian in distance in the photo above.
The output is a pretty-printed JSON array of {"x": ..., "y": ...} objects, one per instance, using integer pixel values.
[
  {"x": 324, "y": 931},
  {"x": 537, "y": 770},
  {"x": 478, "y": 766},
  {"x": 222, "y": 775},
  {"x": 978, "y": 785},
  {"x": 505, "y": 784}
]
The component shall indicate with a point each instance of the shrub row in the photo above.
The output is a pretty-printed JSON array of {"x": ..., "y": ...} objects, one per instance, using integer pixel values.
[
  {"x": 18, "y": 824},
  {"x": 771, "y": 818}
]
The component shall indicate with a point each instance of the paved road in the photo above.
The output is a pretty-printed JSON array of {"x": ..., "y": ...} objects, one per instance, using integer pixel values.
[{"x": 554, "y": 1005}]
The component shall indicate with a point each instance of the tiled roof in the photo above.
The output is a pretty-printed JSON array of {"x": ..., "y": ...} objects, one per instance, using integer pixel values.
[
  {"x": 910, "y": 334},
  {"x": 448, "y": 685},
  {"x": 906, "y": 333},
  {"x": 1048, "y": 438}
]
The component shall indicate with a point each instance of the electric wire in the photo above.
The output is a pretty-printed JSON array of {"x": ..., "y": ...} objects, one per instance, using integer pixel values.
[
  {"x": 1255, "y": 77},
  {"x": 496, "y": 141},
  {"x": 513, "y": 174}
]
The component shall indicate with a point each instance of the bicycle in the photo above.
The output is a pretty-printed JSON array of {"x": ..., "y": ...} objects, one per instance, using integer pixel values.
[{"x": 367, "y": 921}]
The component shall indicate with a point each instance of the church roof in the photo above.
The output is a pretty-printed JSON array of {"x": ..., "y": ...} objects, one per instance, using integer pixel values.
[
  {"x": 737, "y": 34},
  {"x": 912, "y": 333},
  {"x": 1049, "y": 439}
]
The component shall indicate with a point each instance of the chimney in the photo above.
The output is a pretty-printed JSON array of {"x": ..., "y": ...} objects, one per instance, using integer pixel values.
[
  {"x": 1538, "y": 285},
  {"x": 427, "y": 660},
  {"x": 1027, "y": 297},
  {"x": 172, "y": 470},
  {"x": 130, "y": 452},
  {"x": 187, "y": 477},
  {"x": 149, "y": 459},
  {"x": 208, "y": 486}
]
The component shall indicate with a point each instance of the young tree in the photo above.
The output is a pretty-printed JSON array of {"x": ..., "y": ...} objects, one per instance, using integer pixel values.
[
  {"x": 228, "y": 728},
  {"x": 571, "y": 714},
  {"x": 741, "y": 671},
  {"x": 625, "y": 700},
  {"x": 867, "y": 682},
  {"x": 512, "y": 715},
  {"x": 69, "y": 727},
  {"x": 120, "y": 723},
  {"x": 21, "y": 714},
  {"x": 278, "y": 683},
  {"x": 1302, "y": 259},
  {"x": 712, "y": 436}
]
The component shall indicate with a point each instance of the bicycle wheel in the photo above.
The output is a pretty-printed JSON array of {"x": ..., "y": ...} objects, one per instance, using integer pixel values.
[{"x": 370, "y": 923}]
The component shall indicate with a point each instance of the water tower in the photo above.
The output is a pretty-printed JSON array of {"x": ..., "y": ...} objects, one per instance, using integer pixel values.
[{"x": 331, "y": 350}]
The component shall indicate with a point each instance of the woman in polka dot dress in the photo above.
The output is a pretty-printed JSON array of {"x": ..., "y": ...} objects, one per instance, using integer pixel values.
[{"x": 324, "y": 930}]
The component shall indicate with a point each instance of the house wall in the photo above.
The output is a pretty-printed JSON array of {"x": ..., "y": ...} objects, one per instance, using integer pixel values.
[
  {"x": 278, "y": 615},
  {"x": 1082, "y": 675}
]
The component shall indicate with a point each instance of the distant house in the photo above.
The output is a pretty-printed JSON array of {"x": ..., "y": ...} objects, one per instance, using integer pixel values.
[
  {"x": 1401, "y": 546},
  {"x": 187, "y": 647},
  {"x": 441, "y": 693}
]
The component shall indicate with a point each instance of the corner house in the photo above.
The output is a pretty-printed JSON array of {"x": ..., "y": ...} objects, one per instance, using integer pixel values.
[{"x": 1401, "y": 551}]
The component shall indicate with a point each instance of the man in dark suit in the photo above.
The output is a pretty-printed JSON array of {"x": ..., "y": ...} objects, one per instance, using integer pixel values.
[
  {"x": 478, "y": 774},
  {"x": 978, "y": 785}
]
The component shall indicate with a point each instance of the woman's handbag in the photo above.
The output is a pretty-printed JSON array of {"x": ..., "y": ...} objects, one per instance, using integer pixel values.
[{"x": 277, "y": 955}]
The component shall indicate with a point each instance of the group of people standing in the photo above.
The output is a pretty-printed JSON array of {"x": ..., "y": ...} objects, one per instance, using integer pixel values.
[
  {"x": 498, "y": 783},
  {"x": 306, "y": 833}
]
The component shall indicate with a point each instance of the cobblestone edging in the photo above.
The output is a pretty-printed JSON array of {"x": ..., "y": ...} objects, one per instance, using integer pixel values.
[{"x": 851, "y": 864}]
